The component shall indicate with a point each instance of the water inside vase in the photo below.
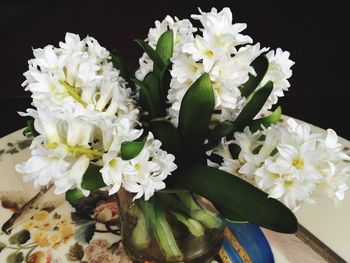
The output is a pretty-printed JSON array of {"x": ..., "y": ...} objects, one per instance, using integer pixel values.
[{"x": 194, "y": 249}]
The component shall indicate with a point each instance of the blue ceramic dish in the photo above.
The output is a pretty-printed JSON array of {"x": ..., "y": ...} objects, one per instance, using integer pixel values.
[{"x": 244, "y": 243}]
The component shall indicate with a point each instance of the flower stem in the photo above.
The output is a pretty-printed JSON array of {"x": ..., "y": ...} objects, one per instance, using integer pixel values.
[
  {"x": 161, "y": 229},
  {"x": 140, "y": 236},
  {"x": 71, "y": 91},
  {"x": 199, "y": 213},
  {"x": 77, "y": 149},
  {"x": 186, "y": 203},
  {"x": 195, "y": 227}
]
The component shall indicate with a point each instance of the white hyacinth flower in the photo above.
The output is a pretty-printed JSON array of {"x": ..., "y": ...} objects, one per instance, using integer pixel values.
[
  {"x": 78, "y": 72},
  {"x": 220, "y": 24},
  {"x": 182, "y": 30},
  {"x": 44, "y": 164},
  {"x": 289, "y": 163},
  {"x": 82, "y": 106},
  {"x": 214, "y": 52},
  {"x": 205, "y": 49},
  {"x": 73, "y": 176},
  {"x": 112, "y": 171},
  {"x": 279, "y": 71},
  {"x": 148, "y": 170}
]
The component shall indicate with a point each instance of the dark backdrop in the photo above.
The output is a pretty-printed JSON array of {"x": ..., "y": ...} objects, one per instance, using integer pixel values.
[{"x": 315, "y": 32}]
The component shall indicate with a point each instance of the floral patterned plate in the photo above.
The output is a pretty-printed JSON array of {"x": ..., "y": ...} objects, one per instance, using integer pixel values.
[{"x": 39, "y": 226}]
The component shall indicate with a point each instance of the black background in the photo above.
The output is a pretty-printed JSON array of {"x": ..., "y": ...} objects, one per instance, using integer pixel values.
[{"x": 315, "y": 32}]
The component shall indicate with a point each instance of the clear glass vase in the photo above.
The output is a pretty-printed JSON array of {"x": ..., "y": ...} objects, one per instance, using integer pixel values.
[{"x": 170, "y": 227}]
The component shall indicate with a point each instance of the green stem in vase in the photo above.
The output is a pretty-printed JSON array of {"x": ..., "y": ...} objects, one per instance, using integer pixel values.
[
  {"x": 199, "y": 213},
  {"x": 195, "y": 227},
  {"x": 140, "y": 236},
  {"x": 161, "y": 229}
]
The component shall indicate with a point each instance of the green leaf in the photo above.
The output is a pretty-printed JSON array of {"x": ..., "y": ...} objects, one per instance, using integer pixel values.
[
  {"x": 151, "y": 53},
  {"x": 221, "y": 130},
  {"x": 30, "y": 129},
  {"x": 253, "y": 106},
  {"x": 152, "y": 84},
  {"x": 196, "y": 109},
  {"x": 76, "y": 253},
  {"x": 234, "y": 195},
  {"x": 92, "y": 178},
  {"x": 119, "y": 63},
  {"x": 273, "y": 118},
  {"x": 230, "y": 215},
  {"x": 260, "y": 65},
  {"x": 130, "y": 150},
  {"x": 164, "y": 131},
  {"x": 20, "y": 237},
  {"x": 85, "y": 232},
  {"x": 165, "y": 78},
  {"x": 234, "y": 150},
  {"x": 146, "y": 99},
  {"x": 164, "y": 49},
  {"x": 74, "y": 195},
  {"x": 92, "y": 181},
  {"x": 165, "y": 46}
]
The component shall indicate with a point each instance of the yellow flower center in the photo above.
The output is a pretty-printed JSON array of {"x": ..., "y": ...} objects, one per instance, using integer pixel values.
[
  {"x": 275, "y": 176},
  {"x": 288, "y": 183},
  {"x": 209, "y": 53},
  {"x": 113, "y": 163},
  {"x": 193, "y": 68},
  {"x": 52, "y": 86},
  {"x": 138, "y": 166},
  {"x": 298, "y": 163}
]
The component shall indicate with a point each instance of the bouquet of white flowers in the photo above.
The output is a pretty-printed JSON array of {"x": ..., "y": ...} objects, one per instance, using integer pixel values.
[{"x": 194, "y": 116}]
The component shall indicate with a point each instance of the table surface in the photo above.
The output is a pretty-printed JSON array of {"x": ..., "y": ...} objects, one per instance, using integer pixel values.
[{"x": 324, "y": 233}]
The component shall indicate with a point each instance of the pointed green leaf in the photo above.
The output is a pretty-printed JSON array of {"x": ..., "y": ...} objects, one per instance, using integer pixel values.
[
  {"x": 151, "y": 53},
  {"x": 253, "y": 106},
  {"x": 92, "y": 179},
  {"x": 119, "y": 63},
  {"x": 221, "y": 130},
  {"x": 130, "y": 150},
  {"x": 273, "y": 118},
  {"x": 260, "y": 65},
  {"x": 195, "y": 113},
  {"x": 234, "y": 195},
  {"x": 146, "y": 100},
  {"x": 152, "y": 83},
  {"x": 164, "y": 131},
  {"x": 165, "y": 45}
]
